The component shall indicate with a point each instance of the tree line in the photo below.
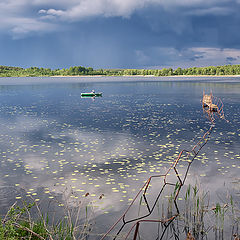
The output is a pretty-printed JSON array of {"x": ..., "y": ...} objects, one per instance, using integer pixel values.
[{"x": 6, "y": 71}]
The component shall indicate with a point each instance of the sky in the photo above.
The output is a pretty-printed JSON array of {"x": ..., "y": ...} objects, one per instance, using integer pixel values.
[{"x": 119, "y": 33}]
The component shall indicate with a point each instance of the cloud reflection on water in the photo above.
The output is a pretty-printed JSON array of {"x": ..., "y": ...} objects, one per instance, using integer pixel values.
[{"x": 112, "y": 146}]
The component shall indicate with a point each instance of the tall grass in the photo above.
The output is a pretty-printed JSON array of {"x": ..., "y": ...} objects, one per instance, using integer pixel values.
[
  {"x": 25, "y": 220},
  {"x": 201, "y": 221}
]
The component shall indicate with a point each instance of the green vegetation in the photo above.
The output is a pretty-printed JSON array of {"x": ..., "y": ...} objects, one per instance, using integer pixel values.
[
  {"x": 200, "y": 219},
  {"x": 79, "y": 70},
  {"x": 197, "y": 219},
  {"x": 26, "y": 221}
]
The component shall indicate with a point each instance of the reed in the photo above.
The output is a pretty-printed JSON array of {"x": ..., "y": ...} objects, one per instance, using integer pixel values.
[
  {"x": 200, "y": 221},
  {"x": 25, "y": 220}
]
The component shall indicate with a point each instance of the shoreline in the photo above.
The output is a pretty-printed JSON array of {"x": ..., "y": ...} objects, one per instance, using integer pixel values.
[
  {"x": 147, "y": 76},
  {"x": 107, "y": 79},
  {"x": 125, "y": 76}
]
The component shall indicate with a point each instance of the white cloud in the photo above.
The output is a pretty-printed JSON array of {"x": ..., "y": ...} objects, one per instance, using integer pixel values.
[
  {"x": 23, "y": 16},
  {"x": 74, "y": 10},
  {"x": 18, "y": 19},
  {"x": 189, "y": 57},
  {"x": 88, "y": 8},
  {"x": 106, "y": 8},
  {"x": 28, "y": 25},
  {"x": 217, "y": 56},
  {"x": 220, "y": 11}
]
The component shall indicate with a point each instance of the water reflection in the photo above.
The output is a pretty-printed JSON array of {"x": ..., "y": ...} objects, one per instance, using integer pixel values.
[{"x": 52, "y": 141}]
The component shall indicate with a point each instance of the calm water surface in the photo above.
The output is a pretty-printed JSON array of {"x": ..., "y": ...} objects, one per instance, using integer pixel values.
[{"x": 52, "y": 141}]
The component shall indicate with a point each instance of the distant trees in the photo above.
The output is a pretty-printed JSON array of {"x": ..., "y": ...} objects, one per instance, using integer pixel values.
[
  {"x": 6, "y": 71},
  {"x": 178, "y": 71}
]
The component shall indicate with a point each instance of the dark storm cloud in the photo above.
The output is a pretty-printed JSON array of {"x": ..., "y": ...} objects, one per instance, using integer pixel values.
[
  {"x": 230, "y": 60},
  {"x": 130, "y": 33}
]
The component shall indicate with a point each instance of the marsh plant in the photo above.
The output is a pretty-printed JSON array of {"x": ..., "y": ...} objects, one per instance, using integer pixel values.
[
  {"x": 25, "y": 220},
  {"x": 200, "y": 219}
]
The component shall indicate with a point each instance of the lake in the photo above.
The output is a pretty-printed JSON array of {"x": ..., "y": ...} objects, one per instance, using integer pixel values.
[{"x": 102, "y": 150}]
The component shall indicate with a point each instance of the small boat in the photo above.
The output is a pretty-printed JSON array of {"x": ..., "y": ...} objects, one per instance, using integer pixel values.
[{"x": 91, "y": 94}]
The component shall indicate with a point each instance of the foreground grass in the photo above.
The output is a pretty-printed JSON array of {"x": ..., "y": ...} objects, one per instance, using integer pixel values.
[
  {"x": 26, "y": 221},
  {"x": 198, "y": 219}
]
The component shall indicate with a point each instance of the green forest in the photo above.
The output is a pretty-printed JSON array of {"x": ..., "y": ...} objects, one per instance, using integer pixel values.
[{"x": 6, "y": 71}]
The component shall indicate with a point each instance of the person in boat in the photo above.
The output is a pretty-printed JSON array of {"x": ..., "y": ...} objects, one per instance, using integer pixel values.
[{"x": 93, "y": 91}]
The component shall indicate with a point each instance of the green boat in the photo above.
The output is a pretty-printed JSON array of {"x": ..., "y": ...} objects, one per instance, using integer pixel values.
[{"x": 91, "y": 94}]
